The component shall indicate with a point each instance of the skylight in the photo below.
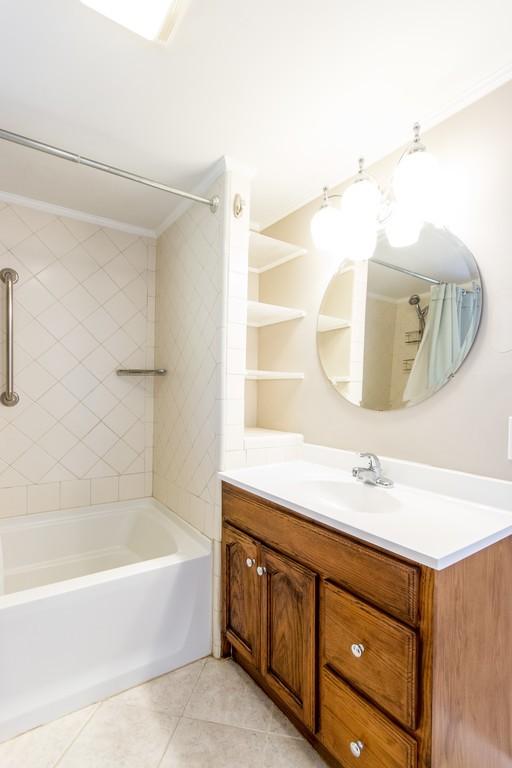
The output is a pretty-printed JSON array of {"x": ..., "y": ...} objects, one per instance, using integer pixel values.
[{"x": 152, "y": 19}]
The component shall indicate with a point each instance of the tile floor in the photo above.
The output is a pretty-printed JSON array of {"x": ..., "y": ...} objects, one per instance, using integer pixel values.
[{"x": 206, "y": 715}]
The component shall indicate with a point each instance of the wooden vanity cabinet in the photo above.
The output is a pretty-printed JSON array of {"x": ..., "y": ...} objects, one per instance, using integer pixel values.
[
  {"x": 270, "y": 617},
  {"x": 379, "y": 661},
  {"x": 242, "y": 597}
]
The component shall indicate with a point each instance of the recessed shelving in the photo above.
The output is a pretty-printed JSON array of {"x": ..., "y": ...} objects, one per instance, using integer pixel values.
[
  {"x": 340, "y": 379},
  {"x": 252, "y": 375},
  {"x": 331, "y": 323},
  {"x": 268, "y": 252},
  {"x": 260, "y": 314}
]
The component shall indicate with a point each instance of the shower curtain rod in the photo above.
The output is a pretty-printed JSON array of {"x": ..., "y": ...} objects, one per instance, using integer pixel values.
[
  {"x": 24, "y": 141},
  {"x": 408, "y": 272}
]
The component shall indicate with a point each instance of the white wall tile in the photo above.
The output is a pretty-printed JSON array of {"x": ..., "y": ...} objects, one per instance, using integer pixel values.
[
  {"x": 188, "y": 325},
  {"x": 104, "y": 490},
  {"x": 75, "y": 493},
  {"x": 82, "y": 309},
  {"x": 43, "y": 498},
  {"x": 132, "y": 487},
  {"x": 13, "y": 501}
]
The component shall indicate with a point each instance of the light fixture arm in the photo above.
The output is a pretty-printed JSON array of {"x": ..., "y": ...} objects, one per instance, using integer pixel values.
[{"x": 326, "y": 196}]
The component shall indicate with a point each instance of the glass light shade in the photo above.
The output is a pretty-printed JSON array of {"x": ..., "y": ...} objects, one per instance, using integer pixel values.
[
  {"x": 403, "y": 227},
  {"x": 149, "y": 18},
  {"x": 360, "y": 201},
  {"x": 326, "y": 229},
  {"x": 359, "y": 240},
  {"x": 417, "y": 185}
]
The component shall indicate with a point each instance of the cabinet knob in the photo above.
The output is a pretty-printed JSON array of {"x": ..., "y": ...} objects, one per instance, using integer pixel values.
[
  {"x": 356, "y": 747},
  {"x": 357, "y": 650},
  {"x": 260, "y": 570},
  {"x": 250, "y": 562}
]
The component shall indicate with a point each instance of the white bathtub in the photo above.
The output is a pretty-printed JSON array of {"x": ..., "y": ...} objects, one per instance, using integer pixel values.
[{"x": 93, "y": 601}]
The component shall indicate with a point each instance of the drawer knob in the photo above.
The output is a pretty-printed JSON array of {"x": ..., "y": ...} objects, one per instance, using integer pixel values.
[
  {"x": 357, "y": 650},
  {"x": 260, "y": 570},
  {"x": 356, "y": 747},
  {"x": 250, "y": 562}
]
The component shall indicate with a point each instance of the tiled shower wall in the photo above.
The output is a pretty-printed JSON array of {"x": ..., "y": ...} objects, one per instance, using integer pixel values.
[
  {"x": 188, "y": 318},
  {"x": 84, "y": 306},
  {"x": 201, "y": 283}
]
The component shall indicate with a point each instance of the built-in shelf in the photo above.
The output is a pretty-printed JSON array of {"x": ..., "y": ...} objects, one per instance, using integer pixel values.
[
  {"x": 267, "y": 252},
  {"x": 273, "y": 376},
  {"x": 340, "y": 379},
  {"x": 257, "y": 437},
  {"x": 260, "y": 314},
  {"x": 331, "y": 323}
]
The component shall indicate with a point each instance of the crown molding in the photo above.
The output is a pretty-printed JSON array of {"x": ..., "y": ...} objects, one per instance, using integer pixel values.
[
  {"x": 474, "y": 93},
  {"x": 218, "y": 169},
  {"x": 71, "y": 213},
  {"x": 221, "y": 167}
]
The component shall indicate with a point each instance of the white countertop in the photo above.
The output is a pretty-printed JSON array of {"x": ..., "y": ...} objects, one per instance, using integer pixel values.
[{"x": 426, "y": 527}]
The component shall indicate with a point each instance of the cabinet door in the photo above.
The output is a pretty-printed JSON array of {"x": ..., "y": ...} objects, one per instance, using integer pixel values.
[
  {"x": 288, "y": 633},
  {"x": 242, "y": 590}
]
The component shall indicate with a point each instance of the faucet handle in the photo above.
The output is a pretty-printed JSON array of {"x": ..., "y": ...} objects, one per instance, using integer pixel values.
[{"x": 374, "y": 460}]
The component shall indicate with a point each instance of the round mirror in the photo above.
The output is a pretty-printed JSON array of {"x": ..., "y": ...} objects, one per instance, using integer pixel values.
[{"x": 393, "y": 330}]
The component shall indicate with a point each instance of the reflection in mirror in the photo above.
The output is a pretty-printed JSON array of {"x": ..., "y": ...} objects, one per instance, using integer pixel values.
[{"x": 393, "y": 330}]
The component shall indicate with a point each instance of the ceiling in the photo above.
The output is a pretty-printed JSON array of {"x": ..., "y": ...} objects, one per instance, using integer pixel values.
[{"x": 295, "y": 89}]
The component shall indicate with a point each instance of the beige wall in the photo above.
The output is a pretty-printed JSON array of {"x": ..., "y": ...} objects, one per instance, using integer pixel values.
[{"x": 465, "y": 425}]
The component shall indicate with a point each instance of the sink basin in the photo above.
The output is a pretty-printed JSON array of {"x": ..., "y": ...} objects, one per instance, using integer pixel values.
[{"x": 352, "y": 496}]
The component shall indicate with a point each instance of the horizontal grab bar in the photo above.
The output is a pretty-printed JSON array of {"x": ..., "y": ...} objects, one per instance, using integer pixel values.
[{"x": 141, "y": 371}]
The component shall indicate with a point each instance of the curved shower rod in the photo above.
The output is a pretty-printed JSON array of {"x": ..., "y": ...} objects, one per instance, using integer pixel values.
[{"x": 24, "y": 141}]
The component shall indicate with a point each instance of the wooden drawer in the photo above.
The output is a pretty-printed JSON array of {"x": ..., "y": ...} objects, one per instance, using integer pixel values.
[
  {"x": 387, "y": 582},
  {"x": 347, "y": 719},
  {"x": 387, "y": 669}
]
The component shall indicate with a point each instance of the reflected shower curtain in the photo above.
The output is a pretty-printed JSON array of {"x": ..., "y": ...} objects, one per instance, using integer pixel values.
[{"x": 449, "y": 332}]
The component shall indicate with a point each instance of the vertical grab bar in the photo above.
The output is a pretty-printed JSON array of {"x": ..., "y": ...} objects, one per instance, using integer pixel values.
[{"x": 9, "y": 398}]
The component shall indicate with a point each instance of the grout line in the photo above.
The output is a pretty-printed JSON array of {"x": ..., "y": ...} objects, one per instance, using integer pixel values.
[
  {"x": 299, "y": 736},
  {"x": 231, "y": 725},
  {"x": 178, "y": 721},
  {"x": 79, "y": 732},
  {"x": 192, "y": 690}
]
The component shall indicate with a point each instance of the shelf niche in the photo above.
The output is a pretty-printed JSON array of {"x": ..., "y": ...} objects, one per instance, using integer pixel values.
[
  {"x": 331, "y": 323},
  {"x": 252, "y": 375},
  {"x": 260, "y": 315},
  {"x": 268, "y": 252}
]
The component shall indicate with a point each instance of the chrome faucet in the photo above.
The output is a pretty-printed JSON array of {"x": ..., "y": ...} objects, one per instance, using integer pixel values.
[{"x": 372, "y": 474}]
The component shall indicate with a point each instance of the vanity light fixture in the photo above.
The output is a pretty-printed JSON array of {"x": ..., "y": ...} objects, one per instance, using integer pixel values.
[
  {"x": 326, "y": 225},
  {"x": 414, "y": 198},
  {"x": 360, "y": 201},
  {"x": 360, "y": 206},
  {"x": 403, "y": 226},
  {"x": 354, "y": 225},
  {"x": 416, "y": 181},
  {"x": 152, "y": 19}
]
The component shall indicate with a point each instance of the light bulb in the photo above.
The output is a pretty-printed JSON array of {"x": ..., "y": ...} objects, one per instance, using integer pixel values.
[
  {"x": 326, "y": 228},
  {"x": 403, "y": 227},
  {"x": 358, "y": 242},
  {"x": 359, "y": 208},
  {"x": 417, "y": 182},
  {"x": 361, "y": 200}
]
